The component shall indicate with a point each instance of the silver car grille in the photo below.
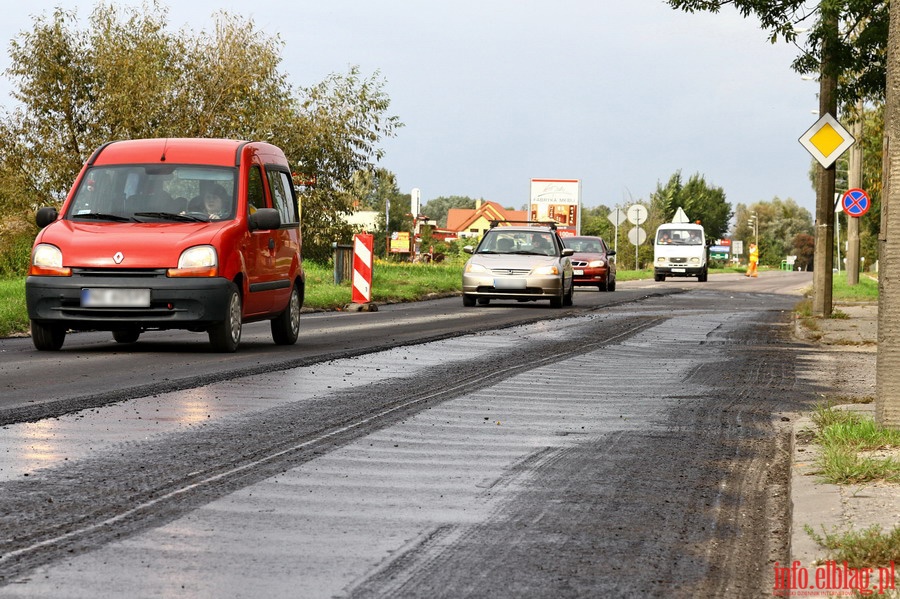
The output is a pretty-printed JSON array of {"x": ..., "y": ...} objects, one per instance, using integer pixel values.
[{"x": 510, "y": 271}]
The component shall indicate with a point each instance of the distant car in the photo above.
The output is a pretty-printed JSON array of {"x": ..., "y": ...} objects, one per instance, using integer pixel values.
[
  {"x": 524, "y": 263},
  {"x": 592, "y": 263}
]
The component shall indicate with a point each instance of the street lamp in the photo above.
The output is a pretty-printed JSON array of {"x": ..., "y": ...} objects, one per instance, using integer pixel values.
[{"x": 753, "y": 221}]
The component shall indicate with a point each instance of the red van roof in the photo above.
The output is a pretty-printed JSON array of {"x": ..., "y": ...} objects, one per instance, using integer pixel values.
[{"x": 221, "y": 152}]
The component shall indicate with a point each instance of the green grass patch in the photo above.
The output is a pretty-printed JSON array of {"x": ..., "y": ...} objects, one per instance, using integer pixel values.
[
  {"x": 13, "y": 314},
  {"x": 865, "y": 291},
  {"x": 847, "y": 440},
  {"x": 392, "y": 282},
  {"x": 869, "y": 548}
]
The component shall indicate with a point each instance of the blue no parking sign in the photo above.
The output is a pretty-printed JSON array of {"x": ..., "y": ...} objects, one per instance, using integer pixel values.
[{"x": 855, "y": 202}]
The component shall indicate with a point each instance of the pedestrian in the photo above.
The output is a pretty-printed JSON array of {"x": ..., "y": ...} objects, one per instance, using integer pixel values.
[{"x": 754, "y": 261}]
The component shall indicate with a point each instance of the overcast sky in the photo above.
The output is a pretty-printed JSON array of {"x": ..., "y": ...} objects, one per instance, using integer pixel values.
[{"x": 620, "y": 94}]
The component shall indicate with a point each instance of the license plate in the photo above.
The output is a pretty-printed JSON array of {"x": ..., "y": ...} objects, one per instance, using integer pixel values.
[
  {"x": 578, "y": 272},
  {"x": 677, "y": 270},
  {"x": 115, "y": 298},
  {"x": 509, "y": 283}
]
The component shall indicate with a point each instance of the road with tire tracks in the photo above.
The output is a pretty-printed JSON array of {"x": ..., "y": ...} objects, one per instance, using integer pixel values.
[{"x": 627, "y": 445}]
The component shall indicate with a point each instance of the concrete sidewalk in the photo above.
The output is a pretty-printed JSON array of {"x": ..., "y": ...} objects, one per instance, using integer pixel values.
[{"x": 845, "y": 362}]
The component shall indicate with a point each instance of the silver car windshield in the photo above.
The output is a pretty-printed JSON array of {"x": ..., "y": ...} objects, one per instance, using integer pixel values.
[{"x": 537, "y": 243}]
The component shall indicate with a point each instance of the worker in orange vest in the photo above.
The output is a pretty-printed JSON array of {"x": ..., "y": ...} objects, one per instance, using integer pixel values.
[{"x": 754, "y": 261}]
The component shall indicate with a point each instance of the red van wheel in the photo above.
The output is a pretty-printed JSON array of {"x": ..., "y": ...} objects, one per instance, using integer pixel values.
[
  {"x": 286, "y": 326},
  {"x": 47, "y": 337},
  {"x": 226, "y": 335}
]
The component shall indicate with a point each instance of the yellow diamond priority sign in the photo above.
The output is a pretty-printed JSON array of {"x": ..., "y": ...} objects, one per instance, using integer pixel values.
[{"x": 827, "y": 140}]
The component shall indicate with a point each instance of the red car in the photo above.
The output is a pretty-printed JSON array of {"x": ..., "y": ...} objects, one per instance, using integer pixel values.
[
  {"x": 592, "y": 262},
  {"x": 196, "y": 234}
]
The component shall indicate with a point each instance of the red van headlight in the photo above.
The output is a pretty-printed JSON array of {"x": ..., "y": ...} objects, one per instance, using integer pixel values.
[
  {"x": 47, "y": 261},
  {"x": 197, "y": 261}
]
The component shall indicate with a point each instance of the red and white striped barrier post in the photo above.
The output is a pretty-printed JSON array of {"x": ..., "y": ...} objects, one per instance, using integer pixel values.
[{"x": 362, "y": 268}]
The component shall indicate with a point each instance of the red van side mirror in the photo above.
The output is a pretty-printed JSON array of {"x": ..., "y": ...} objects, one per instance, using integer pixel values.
[
  {"x": 264, "y": 219},
  {"x": 45, "y": 216}
]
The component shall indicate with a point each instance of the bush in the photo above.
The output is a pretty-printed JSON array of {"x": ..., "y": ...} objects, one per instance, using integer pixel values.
[{"x": 16, "y": 239}]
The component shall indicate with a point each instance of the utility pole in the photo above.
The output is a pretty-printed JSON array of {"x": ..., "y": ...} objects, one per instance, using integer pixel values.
[
  {"x": 823, "y": 260},
  {"x": 854, "y": 181},
  {"x": 887, "y": 362}
]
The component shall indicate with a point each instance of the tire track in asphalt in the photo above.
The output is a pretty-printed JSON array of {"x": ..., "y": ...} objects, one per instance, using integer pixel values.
[{"x": 78, "y": 507}]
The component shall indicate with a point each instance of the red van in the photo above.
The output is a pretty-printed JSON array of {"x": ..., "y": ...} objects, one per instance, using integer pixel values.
[{"x": 196, "y": 234}]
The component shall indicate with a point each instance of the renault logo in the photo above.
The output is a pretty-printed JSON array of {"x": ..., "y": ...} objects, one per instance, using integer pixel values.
[{"x": 118, "y": 257}]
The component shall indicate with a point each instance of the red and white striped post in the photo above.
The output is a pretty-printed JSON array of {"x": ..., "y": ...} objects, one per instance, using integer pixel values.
[{"x": 362, "y": 268}]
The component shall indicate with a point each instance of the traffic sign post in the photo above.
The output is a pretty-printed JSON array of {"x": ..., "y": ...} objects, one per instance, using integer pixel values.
[
  {"x": 826, "y": 140},
  {"x": 855, "y": 202},
  {"x": 617, "y": 217},
  {"x": 637, "y": 214}
]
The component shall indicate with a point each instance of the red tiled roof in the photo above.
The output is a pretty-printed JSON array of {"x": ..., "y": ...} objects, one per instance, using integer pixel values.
[{"x": 460, "y": 219}]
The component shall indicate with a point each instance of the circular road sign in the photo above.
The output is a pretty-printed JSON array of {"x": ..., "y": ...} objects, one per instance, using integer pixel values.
[
  {"x": 637, "y": 214},
  {"x": 637, "y": 236},
  {"x": 855, "y": 202}
]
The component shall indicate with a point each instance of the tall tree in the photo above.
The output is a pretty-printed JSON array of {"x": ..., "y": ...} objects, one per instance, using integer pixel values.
[
  {"x": 377, "y": 190},
  {"x": 859, "y": 58},
  {"x": 778, "y": 223},
  {"x": 845, "y": 46},
  {"x": 126, "y": 75},
  {"x": 700, "y": 201}
]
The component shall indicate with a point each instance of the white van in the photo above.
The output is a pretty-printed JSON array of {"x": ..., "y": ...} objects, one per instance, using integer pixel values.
[{"x": 680, "y": 250}]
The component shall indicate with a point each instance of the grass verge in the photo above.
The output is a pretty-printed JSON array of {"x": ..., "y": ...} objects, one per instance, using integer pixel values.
[
  {"x": 868, "y": 548},
  {"x": 393, "y": 282},
  {"x": 13, "y": 315},
  {"x": 855, "y": 450}
]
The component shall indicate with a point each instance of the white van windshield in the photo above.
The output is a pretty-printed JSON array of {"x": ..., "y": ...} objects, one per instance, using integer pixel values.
[{"x": 679, "y": 237}]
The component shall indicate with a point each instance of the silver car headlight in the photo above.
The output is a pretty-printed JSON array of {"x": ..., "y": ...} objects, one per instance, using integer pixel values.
[
  {"x": 475, "y": 268},
  {"x": 546, "y": 270}
]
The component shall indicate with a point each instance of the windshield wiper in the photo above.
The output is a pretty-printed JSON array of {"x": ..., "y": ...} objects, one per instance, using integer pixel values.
[
  {"x": 173, "y": 216},
  {"x": 101, "y": 216}
]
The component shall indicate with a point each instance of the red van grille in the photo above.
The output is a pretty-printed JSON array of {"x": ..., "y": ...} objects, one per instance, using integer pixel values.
[{"x": 119, "y": 272}]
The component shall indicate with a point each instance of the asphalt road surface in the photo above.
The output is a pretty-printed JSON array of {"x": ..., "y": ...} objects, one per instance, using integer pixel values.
[{"x": 631, "y": 445}]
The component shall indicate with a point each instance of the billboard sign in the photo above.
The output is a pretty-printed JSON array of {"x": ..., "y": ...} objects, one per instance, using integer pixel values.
[
  {"x": 400, "y": 242},
  {"x": 559, "y": 201}
]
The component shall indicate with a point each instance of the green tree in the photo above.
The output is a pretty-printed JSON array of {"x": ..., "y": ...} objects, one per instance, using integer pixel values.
[
  {"x": 804, "y": 249},
  {"x": 126, "y": 75},
  {"x": 595, "y": 221},
  {"x": 338, "y": 126},
  {"x": 377, "y": 190},
  {"x": 857, "y": 53},
  {"x": 700, "y": 201},
  {"x": 779, "y": 224}
]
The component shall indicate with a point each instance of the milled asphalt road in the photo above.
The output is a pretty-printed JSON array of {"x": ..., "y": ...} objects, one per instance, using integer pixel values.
[{"x": 600, "y": 473}]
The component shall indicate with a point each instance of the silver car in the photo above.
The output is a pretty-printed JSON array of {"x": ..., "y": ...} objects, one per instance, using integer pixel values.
[{"x": 524, "y": 263}]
